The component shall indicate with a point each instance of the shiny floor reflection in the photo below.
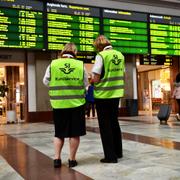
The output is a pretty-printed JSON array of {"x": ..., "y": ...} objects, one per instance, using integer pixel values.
[
  {"x": 32, "y": 164},
  {"x": 150, "y": 151}
]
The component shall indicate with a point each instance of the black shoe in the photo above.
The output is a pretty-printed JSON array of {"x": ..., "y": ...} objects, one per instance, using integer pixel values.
[
  {"x": 72, "y": 163},
  {"x": 104, "y": 160},
  {"x": 57, "y": 163}
]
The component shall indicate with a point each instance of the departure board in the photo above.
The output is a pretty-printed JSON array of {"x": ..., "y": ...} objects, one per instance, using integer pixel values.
[
  {"x": 164, "y": 35},
  {"x": 126, "y": 30},
  {"x": 156, "y": 60},
  {"x": 86, "y": 57},
  {"x": 71, "y": 23},
  {"x": 21, "y": 24}
]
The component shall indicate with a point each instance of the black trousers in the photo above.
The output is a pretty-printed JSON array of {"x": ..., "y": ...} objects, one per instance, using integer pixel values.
[
  {"x": 178, "y": 101},
  {"x": 90, "y": 106},
  {"x": 107, "y": 112}
]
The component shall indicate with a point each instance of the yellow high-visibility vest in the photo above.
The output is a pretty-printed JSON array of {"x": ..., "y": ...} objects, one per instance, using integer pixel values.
[
  {"x": 66, "y": 87},
  {"x": 112, "y": 84}
]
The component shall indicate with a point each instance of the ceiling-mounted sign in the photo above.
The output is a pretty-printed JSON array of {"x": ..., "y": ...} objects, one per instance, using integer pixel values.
[
  {"x": 72, "y": 23},
  {"x": 126, "y": 30},
  {"x": 164, "y": 35},
  {"x": 156, "y": 60},
  {"x": 21, "y": 24}
]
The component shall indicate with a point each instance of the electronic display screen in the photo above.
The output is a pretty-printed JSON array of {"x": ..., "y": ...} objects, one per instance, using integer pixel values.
[
  {"x": 86, "y": 57},
  {"x": 21, "y": 24},
  {"x": 28, "y": 24},
  {"x": 72, "y": 23},
  {"x": 126, "y": 30},
  {"x": 164, "y": 35},
  {"x": 156, "y": 60}
]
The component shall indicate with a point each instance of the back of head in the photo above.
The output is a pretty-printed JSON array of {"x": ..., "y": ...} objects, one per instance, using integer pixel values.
[
  {"x": 101, "y": 42},
  {"x": 69, "y": 48}
]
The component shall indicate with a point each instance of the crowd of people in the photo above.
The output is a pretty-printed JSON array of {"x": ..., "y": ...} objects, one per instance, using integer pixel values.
[{"x": 73, "y": 95}]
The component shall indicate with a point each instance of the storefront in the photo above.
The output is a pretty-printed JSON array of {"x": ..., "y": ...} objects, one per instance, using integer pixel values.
[
  {"x": 34, "y": 32},
  {"x": 12, "y": 95},
  {"x": 155, "y": 88}
]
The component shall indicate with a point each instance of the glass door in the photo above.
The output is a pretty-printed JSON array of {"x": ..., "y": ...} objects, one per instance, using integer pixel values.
[{"x": 12, "y": 96}]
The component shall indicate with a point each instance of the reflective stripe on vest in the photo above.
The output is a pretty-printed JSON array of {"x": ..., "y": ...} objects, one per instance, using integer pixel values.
[
  {"x": 112, "y": 79},
  {"x": 66, "y": 88},
  {"x": 112, "y": 84},
  {"x": 67, "y": 97},
  {"x": 109, "y": 88}
]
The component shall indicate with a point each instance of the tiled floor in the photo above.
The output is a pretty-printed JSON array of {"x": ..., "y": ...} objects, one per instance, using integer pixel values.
[{"x": 151, "y": 152}]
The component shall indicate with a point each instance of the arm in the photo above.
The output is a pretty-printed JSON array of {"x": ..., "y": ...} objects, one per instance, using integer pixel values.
[
  {"x": 47, "y": 77},
  {"x": 97, "y": 69},
  {"x": 96, "y": 78},
  {"x": 85, "y": 78},
  {"x": 174, "y": 93}
]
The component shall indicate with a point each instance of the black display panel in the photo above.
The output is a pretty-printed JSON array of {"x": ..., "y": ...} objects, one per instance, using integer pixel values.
[
  {"x": 126, "y": 30},
  {"x": 156, "y": 60},
  {"x": 164, "y": 35},
  {"x": 86, "y": 57},
  {"x": 72, "y": 23},
  {"x": 21, "y": 24}
]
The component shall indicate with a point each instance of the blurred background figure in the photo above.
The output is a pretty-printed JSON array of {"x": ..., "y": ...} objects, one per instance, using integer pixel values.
[
  {"x": 176, "y": 94},
  {"x": 90, "y": 105},
  {"x": 146, "y": 100}
]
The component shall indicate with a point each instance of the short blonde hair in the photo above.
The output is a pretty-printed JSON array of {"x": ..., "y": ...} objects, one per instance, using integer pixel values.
[
  {"x": 69, "y": 48},
  {"x": 101, "y": 42}
]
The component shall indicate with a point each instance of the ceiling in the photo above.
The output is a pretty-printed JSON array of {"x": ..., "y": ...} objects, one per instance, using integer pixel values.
[
  {"x": 173, "y": 1},
  {"x": 161, "y": 3}
]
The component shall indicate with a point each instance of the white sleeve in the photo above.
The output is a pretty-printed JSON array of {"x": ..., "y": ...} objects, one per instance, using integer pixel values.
[
  {"x": 85, "y": 78},
  {"x": 98, "y": 65},
  {"x": 47, "y": 77}
]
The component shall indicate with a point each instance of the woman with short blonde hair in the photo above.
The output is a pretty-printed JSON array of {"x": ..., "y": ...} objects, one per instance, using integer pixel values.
[
  {"x": 101, "y": 42},
  {"x": 67, "y": 79},
  {"x": 69, "y": 48},
  {"x": 108, "y": 78}
]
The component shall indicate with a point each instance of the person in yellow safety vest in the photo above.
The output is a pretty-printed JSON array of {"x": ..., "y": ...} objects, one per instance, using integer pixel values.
[
  {"x": 108, "y": 78},
  {"x": 67, "y": 79}
]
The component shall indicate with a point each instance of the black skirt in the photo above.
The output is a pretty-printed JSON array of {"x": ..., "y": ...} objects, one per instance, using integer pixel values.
[{"x": 69, "y": 122}]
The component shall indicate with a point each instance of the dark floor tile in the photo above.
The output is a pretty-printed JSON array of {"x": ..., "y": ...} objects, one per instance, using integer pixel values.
[{"x": 32, "y": 164}]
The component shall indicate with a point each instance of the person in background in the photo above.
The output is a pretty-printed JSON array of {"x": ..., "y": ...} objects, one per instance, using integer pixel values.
[
  {"x": 108, "y": 78},
  {"x": 146, "y": 100},
  {"x": 67, "y": 79},
  {"x": 176, "y": 94},
  {"x": 90, "y": 105}
]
